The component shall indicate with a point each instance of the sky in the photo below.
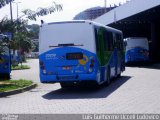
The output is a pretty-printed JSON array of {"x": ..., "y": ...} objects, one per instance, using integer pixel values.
[{"x": 70, "y": 8}]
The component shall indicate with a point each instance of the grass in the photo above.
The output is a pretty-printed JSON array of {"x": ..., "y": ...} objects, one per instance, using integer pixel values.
[
  {"x": 7, "y": 85},
  {"x": 20, "y": 67}
]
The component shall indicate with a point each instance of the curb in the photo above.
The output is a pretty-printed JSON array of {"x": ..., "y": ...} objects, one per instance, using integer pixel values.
[
  {"x": 21, "y": 90},
  {"x": 22, "y": 69}
]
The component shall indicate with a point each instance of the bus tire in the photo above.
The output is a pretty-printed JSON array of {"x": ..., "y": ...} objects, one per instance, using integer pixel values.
[
  {"x": 108, "y": 76},
  {"x": 7, "y": 76},
  {"x": 119, "y": 75}
]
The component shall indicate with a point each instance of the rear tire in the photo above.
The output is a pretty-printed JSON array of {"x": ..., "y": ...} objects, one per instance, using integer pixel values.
[
  {"x": 8, "y": 76},
  {"x": 5, "y": 76},
  {"x": 119, "y": 75},
  {"x": 108, "y": 77}
]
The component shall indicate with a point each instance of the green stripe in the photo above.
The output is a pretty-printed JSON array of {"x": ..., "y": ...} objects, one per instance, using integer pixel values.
[
  {"x": 103, "y": 55},
  {"x": 101, "y": 45}
]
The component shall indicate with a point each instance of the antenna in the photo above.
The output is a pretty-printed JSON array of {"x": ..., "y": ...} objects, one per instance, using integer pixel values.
[{"x": 42, "y": 22}]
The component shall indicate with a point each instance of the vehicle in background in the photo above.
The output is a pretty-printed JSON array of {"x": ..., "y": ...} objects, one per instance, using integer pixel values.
[
  {"x": 136, "y": 50},
  {"x": 15, "y": 57},
  {"x": 5, "y": 61},
  {"x": 75, "y": 52}
]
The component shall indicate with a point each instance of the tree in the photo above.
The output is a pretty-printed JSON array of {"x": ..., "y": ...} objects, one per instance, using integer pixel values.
[
  {"x": 32, "y": 14},
  {"x": 34, "y": 34},
  {"x": 21, "y": 39},
  {"x": 21, "y": 36},
  {"x": 4, "y": 41},
  {"x": 34, "y": 30},
  {"x": 4, "y": 2}
]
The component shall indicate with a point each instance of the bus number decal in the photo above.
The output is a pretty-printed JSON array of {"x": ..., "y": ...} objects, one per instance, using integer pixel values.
[{"x": 51, "y": 56}]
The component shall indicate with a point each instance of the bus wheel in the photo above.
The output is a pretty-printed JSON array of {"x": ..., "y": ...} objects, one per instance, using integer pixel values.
[
  {"x": 66, "y": 85},
  {"x": 119, "y": 75},
  {"x": 7, "y": 76},
  {"x": 108, "y": 77}
]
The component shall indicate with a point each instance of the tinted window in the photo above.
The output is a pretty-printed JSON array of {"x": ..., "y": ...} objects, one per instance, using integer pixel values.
[
  {"x": 108, "y": 41},
  {"x": 119, "y": 42},
  {"x": 96, "y": 37}
]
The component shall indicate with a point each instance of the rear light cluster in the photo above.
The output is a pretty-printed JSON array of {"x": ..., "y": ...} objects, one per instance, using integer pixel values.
[
  {"x": 129, "y": 56},
  {"x": 42, "y": 67},
  {"x": 91, "y": 65},
  {"x": 146, "y": 53}
]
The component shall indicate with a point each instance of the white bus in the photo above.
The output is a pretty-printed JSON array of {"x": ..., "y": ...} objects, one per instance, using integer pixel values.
[
  {"x": 72, "y": 52},
  {"x": 137, "y": 49}
]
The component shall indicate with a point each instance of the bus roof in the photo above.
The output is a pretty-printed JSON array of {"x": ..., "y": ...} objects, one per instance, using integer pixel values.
[
  {"x": 133, "y": 38},
  {"x": 84, "y": 21}
]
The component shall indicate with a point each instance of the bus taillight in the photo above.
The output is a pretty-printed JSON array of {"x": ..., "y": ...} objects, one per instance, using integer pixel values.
[
  {"x": 42, "y": 65},
  {"x": 146, "y": 53},
  {"x": 91, "y": 65},
  {"x": 92, "y": 61}
]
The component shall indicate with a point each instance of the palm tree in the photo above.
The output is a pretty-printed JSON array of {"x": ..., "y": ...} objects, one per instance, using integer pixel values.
[
  {"x": 21, "y": 36},
  {"x": 4, "y": 2},
  {"x": 32, "y": 14}
]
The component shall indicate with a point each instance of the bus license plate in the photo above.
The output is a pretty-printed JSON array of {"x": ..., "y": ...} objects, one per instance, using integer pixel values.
[{"x": 67, "y": 68}]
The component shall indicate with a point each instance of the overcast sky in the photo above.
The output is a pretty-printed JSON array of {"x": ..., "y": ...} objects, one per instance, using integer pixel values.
[{"x": 70, "y": 8}]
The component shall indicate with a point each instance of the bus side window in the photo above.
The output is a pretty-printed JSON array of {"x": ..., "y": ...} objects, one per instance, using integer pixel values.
[
  {"x": 119, "y": 42},
  {"x": 96, "y": 38},
  {"x": 108, "y": 42},
  {"x": 115, "y": 41}
]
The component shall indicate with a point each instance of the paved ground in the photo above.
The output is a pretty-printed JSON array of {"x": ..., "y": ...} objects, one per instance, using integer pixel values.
[
  {"x": 137, "y": 91},
  {"x": 31, "y": 74}
]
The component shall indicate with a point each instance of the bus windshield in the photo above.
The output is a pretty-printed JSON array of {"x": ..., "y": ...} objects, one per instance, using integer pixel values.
[{"x": 137, "y": 42}]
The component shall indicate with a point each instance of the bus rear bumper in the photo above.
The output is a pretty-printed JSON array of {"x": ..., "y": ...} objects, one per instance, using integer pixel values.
[
  {"x": 136, "y": 59},
  {"x": 67, "y": 78}
]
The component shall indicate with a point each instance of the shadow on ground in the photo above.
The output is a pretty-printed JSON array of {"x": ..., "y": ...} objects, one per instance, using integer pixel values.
[
  {"x": 145, "y": 65},
  {"x": 85, "y": 93}
]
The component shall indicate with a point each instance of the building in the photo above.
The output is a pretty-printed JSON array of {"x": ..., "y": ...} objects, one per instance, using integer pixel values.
[{"x": 92, "y": 13}]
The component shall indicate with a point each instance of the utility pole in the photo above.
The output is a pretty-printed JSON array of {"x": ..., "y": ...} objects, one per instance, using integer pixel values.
[
  {"x": 105, "y": 6},
  {"x": 10, "y": 2},
  {"x": 17, "y": 7},
  {"x": 105, "y": 3}
]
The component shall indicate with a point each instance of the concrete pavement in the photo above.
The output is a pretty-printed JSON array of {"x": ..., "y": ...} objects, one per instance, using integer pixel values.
[{"x": 137, "y": 91}]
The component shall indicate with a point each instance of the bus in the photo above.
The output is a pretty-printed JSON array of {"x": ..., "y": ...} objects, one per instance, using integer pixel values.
[
  {"x": 73, "y": 52},
  {"x": 5, "y": 62},
  {"x": 136, "y": 50}
]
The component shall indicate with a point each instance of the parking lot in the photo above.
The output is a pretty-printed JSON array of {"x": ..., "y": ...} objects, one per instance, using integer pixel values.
[{"x": 137, "y": 91}]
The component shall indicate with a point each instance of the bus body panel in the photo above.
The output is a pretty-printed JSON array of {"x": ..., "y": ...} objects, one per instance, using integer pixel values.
[
  {"x": 5, "y": 63},
  {"x": 55, "y": 64}
]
